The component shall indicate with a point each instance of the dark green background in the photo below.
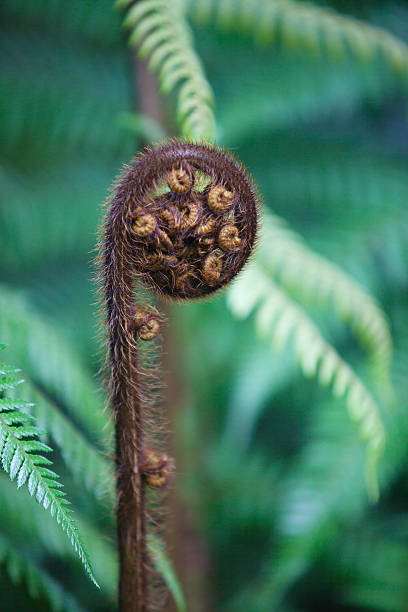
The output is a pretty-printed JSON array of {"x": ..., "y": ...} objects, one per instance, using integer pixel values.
[{"x": 271, "y": 469}]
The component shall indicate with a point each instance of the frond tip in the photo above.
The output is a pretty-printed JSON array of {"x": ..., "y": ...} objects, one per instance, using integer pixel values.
[
  {"x": 161, "y": 32},
  {"x": 279, "y": 316},
  {"x": 22, "y": 458}
]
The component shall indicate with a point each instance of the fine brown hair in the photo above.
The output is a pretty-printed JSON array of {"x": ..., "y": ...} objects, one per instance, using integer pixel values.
[{"x": 183, "y": 220}]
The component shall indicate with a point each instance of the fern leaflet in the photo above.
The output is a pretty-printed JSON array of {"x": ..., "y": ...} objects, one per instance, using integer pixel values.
[
  {"x": 316, "y": 356},
  {"x": 316, "y": 30},
  {"x": 306, "y": 274},
  {"x": 48, "y": 358},
  {"x": 160, "y": 30},
  {"x": 22, "y": 458},
  {"x": 80, "y": 456},
  {"x": 20, "y": 567}
]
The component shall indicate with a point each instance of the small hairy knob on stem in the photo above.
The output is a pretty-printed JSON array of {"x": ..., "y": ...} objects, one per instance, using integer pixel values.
[
  {"x": 156, "y": 469},
  {"x": 147, "y": 323}
]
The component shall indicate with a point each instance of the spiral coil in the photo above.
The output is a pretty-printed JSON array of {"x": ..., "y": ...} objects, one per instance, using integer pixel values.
[{"x": 191, "y": 218}]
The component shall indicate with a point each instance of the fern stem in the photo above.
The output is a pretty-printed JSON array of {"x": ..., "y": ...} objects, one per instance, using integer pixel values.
[
  {"x": 184, "y": 241},
  {"x": 128, "y": 410}
]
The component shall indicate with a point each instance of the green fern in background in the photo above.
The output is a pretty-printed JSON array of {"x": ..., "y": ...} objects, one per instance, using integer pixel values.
[
  {"x": 22, "y": 457},
  {"x": 271, "y": 466},
  {"x": 161, "y": 31}
]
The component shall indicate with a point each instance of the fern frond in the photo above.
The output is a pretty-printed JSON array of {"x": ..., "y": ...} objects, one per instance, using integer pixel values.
[
  {"x": 160, "y": 30},
  {"x": 62, "y": 102},
  {"x": 39, "y": 582},
  {"x": 30, "y": 528},
  {"x": 321, "y": 497},
  {"x": 318, "y": 31},
  {"x": 278, "y": 316},
  {"x": 35, "y": 530},
  {"x": 309, "y": 276},
  {"x": 47, "y": 357},
  {"x": 22, "y": 458},
  {"x": 375, "y": 555},
  {"x": 320, "y": 494},
  {"x": 81, "y": 458}
]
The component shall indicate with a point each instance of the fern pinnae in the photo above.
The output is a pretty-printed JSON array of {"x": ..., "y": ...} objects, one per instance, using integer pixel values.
[
  {"x": 39, "y": 582},
  {"x": 162, "y": 34},
  {"x": 278, "y": 314},
  {"x": 82, "y": 458},
  {"x": 22, "y": 457},
  {"x": 48, "y": 358},
  {"x": 307, "y": 275},
  {"x": 312, "y": 28}
]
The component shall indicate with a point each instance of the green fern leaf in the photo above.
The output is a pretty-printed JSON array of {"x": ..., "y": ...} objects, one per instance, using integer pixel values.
[
  {"x": 39, "y": 582},
  {"x": 160, "y": 30},
  {"x": 320, "y": 492},
  {"x": 46, "y": 356},
  {"x": 309, "y": 276},
  {"x": 317, "y": 30},
  {"x": 286, "y": 319},
  {"x": 60, "y": 101},
  {"x": 82, "y": 458},
  {"x": 40, "y": 532},
  {"x": 22, "y": 457}
]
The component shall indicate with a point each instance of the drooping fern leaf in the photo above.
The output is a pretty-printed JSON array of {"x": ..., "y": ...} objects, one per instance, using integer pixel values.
[
  {"x": 375, "y": 555},
  {"x": 39, "y": 582},
  {"x": 307, "y": 275},
  {"x": 38, "y": 531},
  {"x": 321, "y": 492},
  {"x": 319, "y": 31},
  {"x": 50, "y": 360},
  {"x": 22, "y": 457},
  {"x": 282, "y": 319},
  {"x": 80, "y": 456},
  {"x": 160, "y": 30}
]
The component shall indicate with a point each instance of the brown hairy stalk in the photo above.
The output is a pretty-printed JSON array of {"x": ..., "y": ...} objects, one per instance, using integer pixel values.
[{"x": 182, "y": 220}]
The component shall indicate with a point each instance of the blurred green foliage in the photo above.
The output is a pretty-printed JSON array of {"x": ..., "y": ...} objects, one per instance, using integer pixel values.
[{"x": 271, "y": 468}]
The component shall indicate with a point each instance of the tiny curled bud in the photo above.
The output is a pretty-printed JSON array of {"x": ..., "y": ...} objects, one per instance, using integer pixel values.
[
  {"x": 212, "y": 268},
  {"x": 190, "y": 241},
  {"x": 168, "y": 217},
  {"x": 189, "y": 215},
  {"x": 147, "y": 324},
  {"x": 179, "y": 181},
  {"x": 144, "y": 225},
  {"x": 208, "y": 227},
  {"x": 228, "y": 238},
  {"x": 156, "y": 469},
  {"x": 220, "y": 199}
]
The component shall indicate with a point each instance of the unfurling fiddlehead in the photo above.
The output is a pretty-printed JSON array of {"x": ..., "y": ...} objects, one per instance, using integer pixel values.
[{"x": 183, "y": 220}]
